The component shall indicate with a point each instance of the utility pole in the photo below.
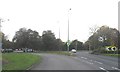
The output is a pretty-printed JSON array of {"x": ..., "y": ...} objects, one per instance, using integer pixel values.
[
  {"x": 59, "y": 32},
  {"x": 59, "y": 28},
  {"x": 68, "y": 44}
]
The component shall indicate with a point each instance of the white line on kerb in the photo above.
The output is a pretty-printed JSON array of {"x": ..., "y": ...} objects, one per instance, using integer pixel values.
[{"x": 103, "y": 69}]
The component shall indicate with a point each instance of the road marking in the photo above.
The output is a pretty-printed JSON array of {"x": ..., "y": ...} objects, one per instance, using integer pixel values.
[
  {"x": 83, "y": 60},
  {"x": 103, "y": 69},
  {"x": 98, "y": 62},
  {"x": 91, "y": 60},
  {"x": 115, "y": 68},
  {"x": 87, "y": 62},
  {"x": 84, "y": 57}
]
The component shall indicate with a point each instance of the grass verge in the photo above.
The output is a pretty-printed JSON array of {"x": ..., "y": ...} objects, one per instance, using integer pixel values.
[
  {"x": 19, "y": 61},
  {"x": 0, "y": 56},
  {"x": 59, "y": 53}
]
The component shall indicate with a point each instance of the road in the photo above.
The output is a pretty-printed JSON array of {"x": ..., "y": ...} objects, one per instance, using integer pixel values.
[{"x": 82, "y": 61}]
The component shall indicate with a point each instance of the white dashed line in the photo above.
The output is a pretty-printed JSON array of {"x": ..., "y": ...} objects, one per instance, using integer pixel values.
[
  {"x": 84, "y": 57},
  {"x": 98, "y": 62},
  {"x": 87, "y": 62},
  {"x": 115, "y": 68},
  {"x": 84, "y": 60},
  {"x": 103, "y": 69}
]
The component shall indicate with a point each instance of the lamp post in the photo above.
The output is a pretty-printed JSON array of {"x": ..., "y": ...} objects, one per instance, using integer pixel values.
[{"x": 68, "y": 43}]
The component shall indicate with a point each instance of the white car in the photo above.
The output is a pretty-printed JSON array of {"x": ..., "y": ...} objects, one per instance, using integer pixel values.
[{"x": 73, "y": 51}]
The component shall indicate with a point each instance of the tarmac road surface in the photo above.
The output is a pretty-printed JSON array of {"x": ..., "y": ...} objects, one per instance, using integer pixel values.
[{"x": 82, "y": 61}]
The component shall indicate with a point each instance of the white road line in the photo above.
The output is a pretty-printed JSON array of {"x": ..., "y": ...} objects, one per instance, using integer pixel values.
[
  {"x": 83, "y": 60},
  {"x": 103, "y": 69},
  {"x": 87, "y": 62},
  {"x": 115, "y": 68},
  {"x": 84, "y": 57},
  {"x": 98, "y": 62}
]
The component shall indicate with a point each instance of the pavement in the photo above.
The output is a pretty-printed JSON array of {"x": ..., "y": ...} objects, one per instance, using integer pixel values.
[{"x": 82, "y": 61}]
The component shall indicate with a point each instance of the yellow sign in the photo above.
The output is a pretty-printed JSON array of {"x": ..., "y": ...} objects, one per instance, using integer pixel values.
[{"x": 111, "y": 48}]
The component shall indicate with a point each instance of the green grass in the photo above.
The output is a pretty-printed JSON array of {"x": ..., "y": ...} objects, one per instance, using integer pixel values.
[
  {"x": 0, "y": 56},
  {"x": 59, "y": 53},
  {"x": 19, "y": 61},
  {"x": 113, "y": 55}
]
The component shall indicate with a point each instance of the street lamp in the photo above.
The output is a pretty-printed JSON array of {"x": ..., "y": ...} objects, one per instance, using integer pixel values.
[{"x": 68, "y": 44}]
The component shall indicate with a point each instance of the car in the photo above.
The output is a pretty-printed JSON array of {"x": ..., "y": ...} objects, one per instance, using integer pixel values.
[
  {"x": 29, "y": 50},
  {"x": 73, "y": 51},
  {"x": 18, "y": 50},
  {"x": 7, "y": 50}
]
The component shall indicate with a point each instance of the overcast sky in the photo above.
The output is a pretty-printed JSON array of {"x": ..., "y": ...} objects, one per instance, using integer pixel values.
[{"x": 43, "y": 15}]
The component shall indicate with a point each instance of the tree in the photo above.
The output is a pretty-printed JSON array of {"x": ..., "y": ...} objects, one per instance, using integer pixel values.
[
  {"x": 34, "y": 40},
  {"x": 64, "y": 46},
  {"x": 109, "y": 35},
  {"x": 49, "y": 41},
  {"x": 59, "y": 45},
  {"x": 5, "y": 42},
  {"x": 27, "y": 38},
  {"x": 86, "y": 45},
  {"x": 93, "y": 29},
  {"x": 104, "y": 36},
  {"x": 77, "y": 45}
]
